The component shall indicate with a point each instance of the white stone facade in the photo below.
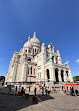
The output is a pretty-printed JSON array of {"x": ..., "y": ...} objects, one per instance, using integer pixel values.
[{"x": 36, "y": 63}]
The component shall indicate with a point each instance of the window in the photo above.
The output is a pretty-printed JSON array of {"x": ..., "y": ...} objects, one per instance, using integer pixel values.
[
  {"x": 28, "y": 70},
  {"x": 29, "y": 59},
  {"x": 56, "y": 61},
  {"x": 29, "y": 51},
  {"x": 35, "y": 50},
  {"x": 31, "y": 70},
  {"x": 40, "y": 75},
  {"x": 34, "y": 71}
]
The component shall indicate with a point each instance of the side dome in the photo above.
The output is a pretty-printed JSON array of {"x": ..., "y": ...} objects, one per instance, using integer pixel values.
[
  {"x": 28, "y": 44},
  {"x": 34, "y": 39}
]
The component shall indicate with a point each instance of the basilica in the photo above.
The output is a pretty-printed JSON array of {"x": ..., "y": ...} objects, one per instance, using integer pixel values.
[{"x": 35, "y": 63}]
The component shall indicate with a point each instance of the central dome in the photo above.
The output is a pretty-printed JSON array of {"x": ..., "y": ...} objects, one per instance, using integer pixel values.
[{"x": 34, "y": 39}]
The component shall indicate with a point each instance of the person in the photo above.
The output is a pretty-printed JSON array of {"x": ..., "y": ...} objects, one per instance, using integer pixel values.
[
  {"x": 72, "y": 91},
  {"x": 22, "y": 92},
  {"x": 46, "y": 91},
  {"x": 76, "y": 92},
  {"x": 16, "y": 88},
  {"x": 35, "y": 91},
  {"x": 29, "y": 88},
  {"x": 62, "y": 88},
  {"x": 67, "y": 88},
  {"x": 42, "y": 91},
  {"x": 19, "y": 92}
]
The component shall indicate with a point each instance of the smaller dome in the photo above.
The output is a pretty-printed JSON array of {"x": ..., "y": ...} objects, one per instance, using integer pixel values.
[
  {"x": 28, "y": 44},
  {"x": 34, "y": 39}
]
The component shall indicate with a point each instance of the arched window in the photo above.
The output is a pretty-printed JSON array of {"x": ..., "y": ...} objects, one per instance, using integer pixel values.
[
  {"x": 31, "y": 70},
  {"x": 34, "y": 71},
  {"x": 40, "y": 74},
  {"x": 56, "y": 61},
  {"x": 53, "y": 58},
  {"x": 26, "y": 50},
  {"x": 35, "y": 50},
  {"x": 29, "y": 51},
  {"x": 28, "y": 70}
]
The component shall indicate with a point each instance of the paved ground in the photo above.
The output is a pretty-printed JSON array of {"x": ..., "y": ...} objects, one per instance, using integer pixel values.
[{"x": 55, "y": 102}]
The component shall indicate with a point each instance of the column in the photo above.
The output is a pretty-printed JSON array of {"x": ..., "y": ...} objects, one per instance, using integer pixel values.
[
  {"x": 53, "y": 75},
  {"x": 65, "y": 79},
  {"x": 54, "y": 59},
  {"x": 24, "y": 72},
  {"x": 59, "y": 75},
  {"x": 14, "y": 72}
]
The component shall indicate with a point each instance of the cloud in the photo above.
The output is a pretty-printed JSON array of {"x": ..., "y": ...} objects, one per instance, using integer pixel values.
[{"x": 77, "y": 61}]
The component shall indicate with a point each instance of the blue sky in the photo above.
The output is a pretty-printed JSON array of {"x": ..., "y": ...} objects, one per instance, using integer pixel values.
[{"x": 55, "y": 21}]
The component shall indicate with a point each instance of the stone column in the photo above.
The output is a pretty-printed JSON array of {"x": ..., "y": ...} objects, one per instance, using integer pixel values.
[
  {"x": 15, "y": 72},
  {"x": 24, "y": 72},
  {"x": 54, "y": 59},
  {"x": 50, "y": 74},
  {"x": 59, "y": 75},
  {"x": 53, "y": 75},
  {"x": 65, "y": 79}
]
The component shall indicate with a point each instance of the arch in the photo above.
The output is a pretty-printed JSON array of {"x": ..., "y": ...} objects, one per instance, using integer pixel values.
[
  {"x": 34, "y": 71},
  {"x": 28, "y": 70},
  {"x": 48, "y": 75},
  {"x": 31, "y": 70},
  {"x": 35, "y": 49},
  {"x": 56, "y": 61},
  {"x": 56, "y": 75},
  {"x": 53, "y": 58},
  {"x": 29, "y": 51},
  {"x": 67, "y": 75},
  {"x": 62, "y": 76}
]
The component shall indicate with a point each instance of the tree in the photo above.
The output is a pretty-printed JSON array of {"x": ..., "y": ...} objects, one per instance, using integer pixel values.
[
  {"x": 2, "y": 78},
  {"x": 76, "y": 78}
]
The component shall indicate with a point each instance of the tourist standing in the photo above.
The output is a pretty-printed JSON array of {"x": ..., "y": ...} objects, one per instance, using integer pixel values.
[
  {"x": 42, "y": 90},
  {"x": 16, "y": 88},
  {"x": 19, "y": 92},
  {"x": 35, "y": 91}
]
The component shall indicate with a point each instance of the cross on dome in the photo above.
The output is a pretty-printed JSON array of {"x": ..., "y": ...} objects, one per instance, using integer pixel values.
[{"x": 34, "y": 35}]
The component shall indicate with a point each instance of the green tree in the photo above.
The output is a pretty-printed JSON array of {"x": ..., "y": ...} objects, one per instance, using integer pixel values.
[
  {"x": 76, "y": 78},
  {"x": 2, "y": 78}
]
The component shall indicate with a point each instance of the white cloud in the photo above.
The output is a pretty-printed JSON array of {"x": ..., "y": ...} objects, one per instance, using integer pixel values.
[{"x": 77, "y": 61}]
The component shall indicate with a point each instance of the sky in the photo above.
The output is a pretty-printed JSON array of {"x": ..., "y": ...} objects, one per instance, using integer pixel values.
[{"x": 55, "y": 21}]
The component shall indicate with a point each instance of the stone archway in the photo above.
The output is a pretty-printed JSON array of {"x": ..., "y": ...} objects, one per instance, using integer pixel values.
[
  {"x": 67, "y": 75},
  {"x": 48, "y": 75},
  {"x": 56, "y": 75},
  {"x": 62, "y": 76}
]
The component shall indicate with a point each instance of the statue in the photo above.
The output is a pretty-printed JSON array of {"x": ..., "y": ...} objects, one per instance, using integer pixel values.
[
  {"x": 50, "y": 57},
  {"x": 66, "y": 63}
]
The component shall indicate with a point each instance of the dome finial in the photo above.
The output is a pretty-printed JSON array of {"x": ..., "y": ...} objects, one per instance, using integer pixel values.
[{"x": 34, "y": 35}]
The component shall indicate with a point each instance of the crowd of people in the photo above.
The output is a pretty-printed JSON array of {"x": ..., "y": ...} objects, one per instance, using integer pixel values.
[
  {"x": 45, "y": 90},
  {"x": 70, "y": 90}
]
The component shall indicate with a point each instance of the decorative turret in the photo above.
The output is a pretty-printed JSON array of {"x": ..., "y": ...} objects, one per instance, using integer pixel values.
[
  {"x": 59, "y": 58},
  {"x": 43, "y": 47},
  {"x": 29, "y": 38},
  {"x": 51, "y": 48}
]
